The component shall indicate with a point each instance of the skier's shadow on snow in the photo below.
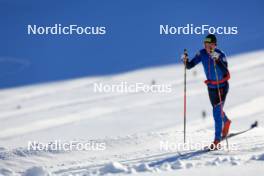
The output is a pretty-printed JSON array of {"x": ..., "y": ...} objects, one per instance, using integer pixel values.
[{"x": 179, "y": 157}]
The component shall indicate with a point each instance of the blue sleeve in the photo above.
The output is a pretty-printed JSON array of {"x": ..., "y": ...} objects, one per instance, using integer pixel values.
[
  {"x": 196, "y": 60},
  {"x": 222, "y": 63}
]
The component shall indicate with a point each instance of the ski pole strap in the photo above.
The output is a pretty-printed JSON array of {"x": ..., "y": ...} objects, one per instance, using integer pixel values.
[{"x": 226, "y": 78}]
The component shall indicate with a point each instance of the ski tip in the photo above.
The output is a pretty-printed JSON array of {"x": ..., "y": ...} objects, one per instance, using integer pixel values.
[{"x": 255, "y": 124}]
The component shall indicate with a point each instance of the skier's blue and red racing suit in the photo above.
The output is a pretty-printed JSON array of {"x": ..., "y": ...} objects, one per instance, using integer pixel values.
[{"x": 223, "y": 77}]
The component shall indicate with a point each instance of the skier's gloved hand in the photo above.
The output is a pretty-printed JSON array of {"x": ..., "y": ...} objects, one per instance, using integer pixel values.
[
  {"x": 184, "y": 56},
  {"x": 215, "y": 56}
]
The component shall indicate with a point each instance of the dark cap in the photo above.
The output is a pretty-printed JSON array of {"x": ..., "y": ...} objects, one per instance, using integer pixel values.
[{"x": 211, "y": 38}]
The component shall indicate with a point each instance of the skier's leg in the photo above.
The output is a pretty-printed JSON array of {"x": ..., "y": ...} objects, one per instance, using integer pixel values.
[
  {"x": 214, "y": 99},
  {"x": 218, "y": 112},
  {"x": 225, "y": 118},
  {"x": 227, "y": 122},
  {"x": 218, "y": 121},
  {"x": 224, "y": 91}
]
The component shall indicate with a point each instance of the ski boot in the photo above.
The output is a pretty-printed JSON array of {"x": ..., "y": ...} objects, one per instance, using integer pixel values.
[{"x": 226, "y": 128}]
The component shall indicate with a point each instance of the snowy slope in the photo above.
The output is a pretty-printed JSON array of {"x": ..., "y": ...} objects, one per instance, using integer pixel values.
[{"x": 132, "y": 125}]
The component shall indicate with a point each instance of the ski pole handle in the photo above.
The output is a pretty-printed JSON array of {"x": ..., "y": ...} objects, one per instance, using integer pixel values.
[
  {"x": 184, "y": 57},
  {"x": 185, "y": 52}
]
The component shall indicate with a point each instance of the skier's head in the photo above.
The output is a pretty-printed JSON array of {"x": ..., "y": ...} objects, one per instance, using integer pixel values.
[{"x": 210, "y": 42}]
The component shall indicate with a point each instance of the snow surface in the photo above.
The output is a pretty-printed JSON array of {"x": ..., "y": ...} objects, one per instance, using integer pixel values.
[{"x": 132, "y": 125}]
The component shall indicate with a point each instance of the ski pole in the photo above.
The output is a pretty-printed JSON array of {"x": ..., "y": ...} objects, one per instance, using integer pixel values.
[
  {"x": 220, "y": 98},
  {"x": 185, "y": 108}
]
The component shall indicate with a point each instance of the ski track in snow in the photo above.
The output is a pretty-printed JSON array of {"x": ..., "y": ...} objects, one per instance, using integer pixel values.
[{"x": 41, "y": 112}]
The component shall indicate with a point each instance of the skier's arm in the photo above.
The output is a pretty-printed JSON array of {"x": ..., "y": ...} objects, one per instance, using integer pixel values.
[
  {"x": 222, "y": 64},
  {"x": 194, "y": 61}
]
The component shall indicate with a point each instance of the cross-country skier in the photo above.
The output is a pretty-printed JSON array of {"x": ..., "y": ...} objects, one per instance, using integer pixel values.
[{"x": 208, "y": 56}]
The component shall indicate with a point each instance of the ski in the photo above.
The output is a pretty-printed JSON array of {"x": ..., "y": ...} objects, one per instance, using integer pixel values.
[
  {"x": 231, "y": 135},
  {"x": 196, "y": 153},
  {"x": 254, "y": 125}
]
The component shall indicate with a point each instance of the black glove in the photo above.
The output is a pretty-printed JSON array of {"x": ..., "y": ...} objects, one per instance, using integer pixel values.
[{"x": 184, "y": 56}]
